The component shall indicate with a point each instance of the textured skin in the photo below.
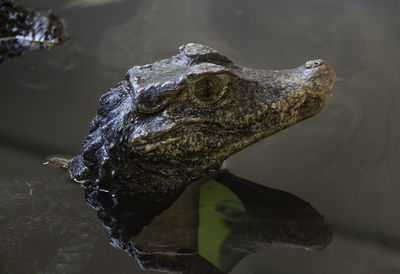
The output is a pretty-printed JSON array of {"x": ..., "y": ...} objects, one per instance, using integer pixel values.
[
  {"x": 22, "y": 29},
  {"x": 174, "y": 121}
]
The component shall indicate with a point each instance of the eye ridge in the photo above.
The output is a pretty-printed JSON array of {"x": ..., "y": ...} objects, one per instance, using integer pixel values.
[
  {"x": 149, "y": 104},
  {"x": 208, "y": 88}
]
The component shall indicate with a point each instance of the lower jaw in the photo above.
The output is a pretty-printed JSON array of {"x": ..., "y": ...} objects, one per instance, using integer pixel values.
[{"x": 310, "y": 107}]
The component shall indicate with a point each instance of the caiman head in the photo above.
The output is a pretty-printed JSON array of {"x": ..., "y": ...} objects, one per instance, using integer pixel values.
[{"x": 178, "y": 119}]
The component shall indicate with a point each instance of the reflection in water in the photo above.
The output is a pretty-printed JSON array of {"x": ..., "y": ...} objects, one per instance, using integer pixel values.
[{"x": 209, "y": 227}]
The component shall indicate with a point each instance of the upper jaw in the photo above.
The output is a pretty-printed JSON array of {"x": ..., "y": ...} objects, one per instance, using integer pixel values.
[
  {"x": 315, "y": 77},
  {"x": 295, "y": 94}
]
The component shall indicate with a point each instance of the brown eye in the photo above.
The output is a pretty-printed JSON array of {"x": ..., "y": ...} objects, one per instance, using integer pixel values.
[{"x": 208, "y": 88}]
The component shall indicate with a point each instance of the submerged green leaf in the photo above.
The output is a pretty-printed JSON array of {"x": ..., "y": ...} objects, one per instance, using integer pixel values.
[{"x": 217, "y": 205}]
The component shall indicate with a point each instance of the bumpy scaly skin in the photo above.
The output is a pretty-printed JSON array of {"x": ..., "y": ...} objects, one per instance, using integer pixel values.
[
  {"x": 176, "y": 120},
  {"x": 22, "y": 28}
]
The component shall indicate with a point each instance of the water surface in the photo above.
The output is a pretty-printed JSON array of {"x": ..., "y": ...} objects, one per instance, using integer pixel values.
[{"x": 344, "y": 161}]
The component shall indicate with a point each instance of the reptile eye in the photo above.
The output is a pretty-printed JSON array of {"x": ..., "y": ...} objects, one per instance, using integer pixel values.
[{"x": 208, "y": 88}]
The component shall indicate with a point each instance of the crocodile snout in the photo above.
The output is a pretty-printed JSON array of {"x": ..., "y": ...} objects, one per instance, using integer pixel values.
[{"x": 319, "y": 77}]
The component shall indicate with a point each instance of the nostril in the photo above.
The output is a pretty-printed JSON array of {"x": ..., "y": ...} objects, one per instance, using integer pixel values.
[
  {"x": 309, "y": 64},
  {"x": 319, "y": 62},
  {"x": 314, "y": 63}
]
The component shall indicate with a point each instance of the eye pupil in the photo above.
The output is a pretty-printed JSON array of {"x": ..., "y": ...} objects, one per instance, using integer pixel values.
[{"x": 207, "y": 88}]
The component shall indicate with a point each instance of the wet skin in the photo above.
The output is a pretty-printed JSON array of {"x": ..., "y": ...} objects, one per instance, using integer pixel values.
[
  {"x": 172, "y": 122},
  {"x": 24, "y": 29}
]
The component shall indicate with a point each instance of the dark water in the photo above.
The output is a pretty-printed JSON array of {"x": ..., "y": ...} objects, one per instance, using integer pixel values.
[{"x": 345, "y": 161}]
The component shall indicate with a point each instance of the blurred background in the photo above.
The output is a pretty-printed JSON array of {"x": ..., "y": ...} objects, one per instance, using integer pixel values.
[{"x": 344, "y": 161}]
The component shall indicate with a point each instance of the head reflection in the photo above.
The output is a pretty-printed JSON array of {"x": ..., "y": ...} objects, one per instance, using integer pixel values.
[{"x": 210, "y": 226}]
